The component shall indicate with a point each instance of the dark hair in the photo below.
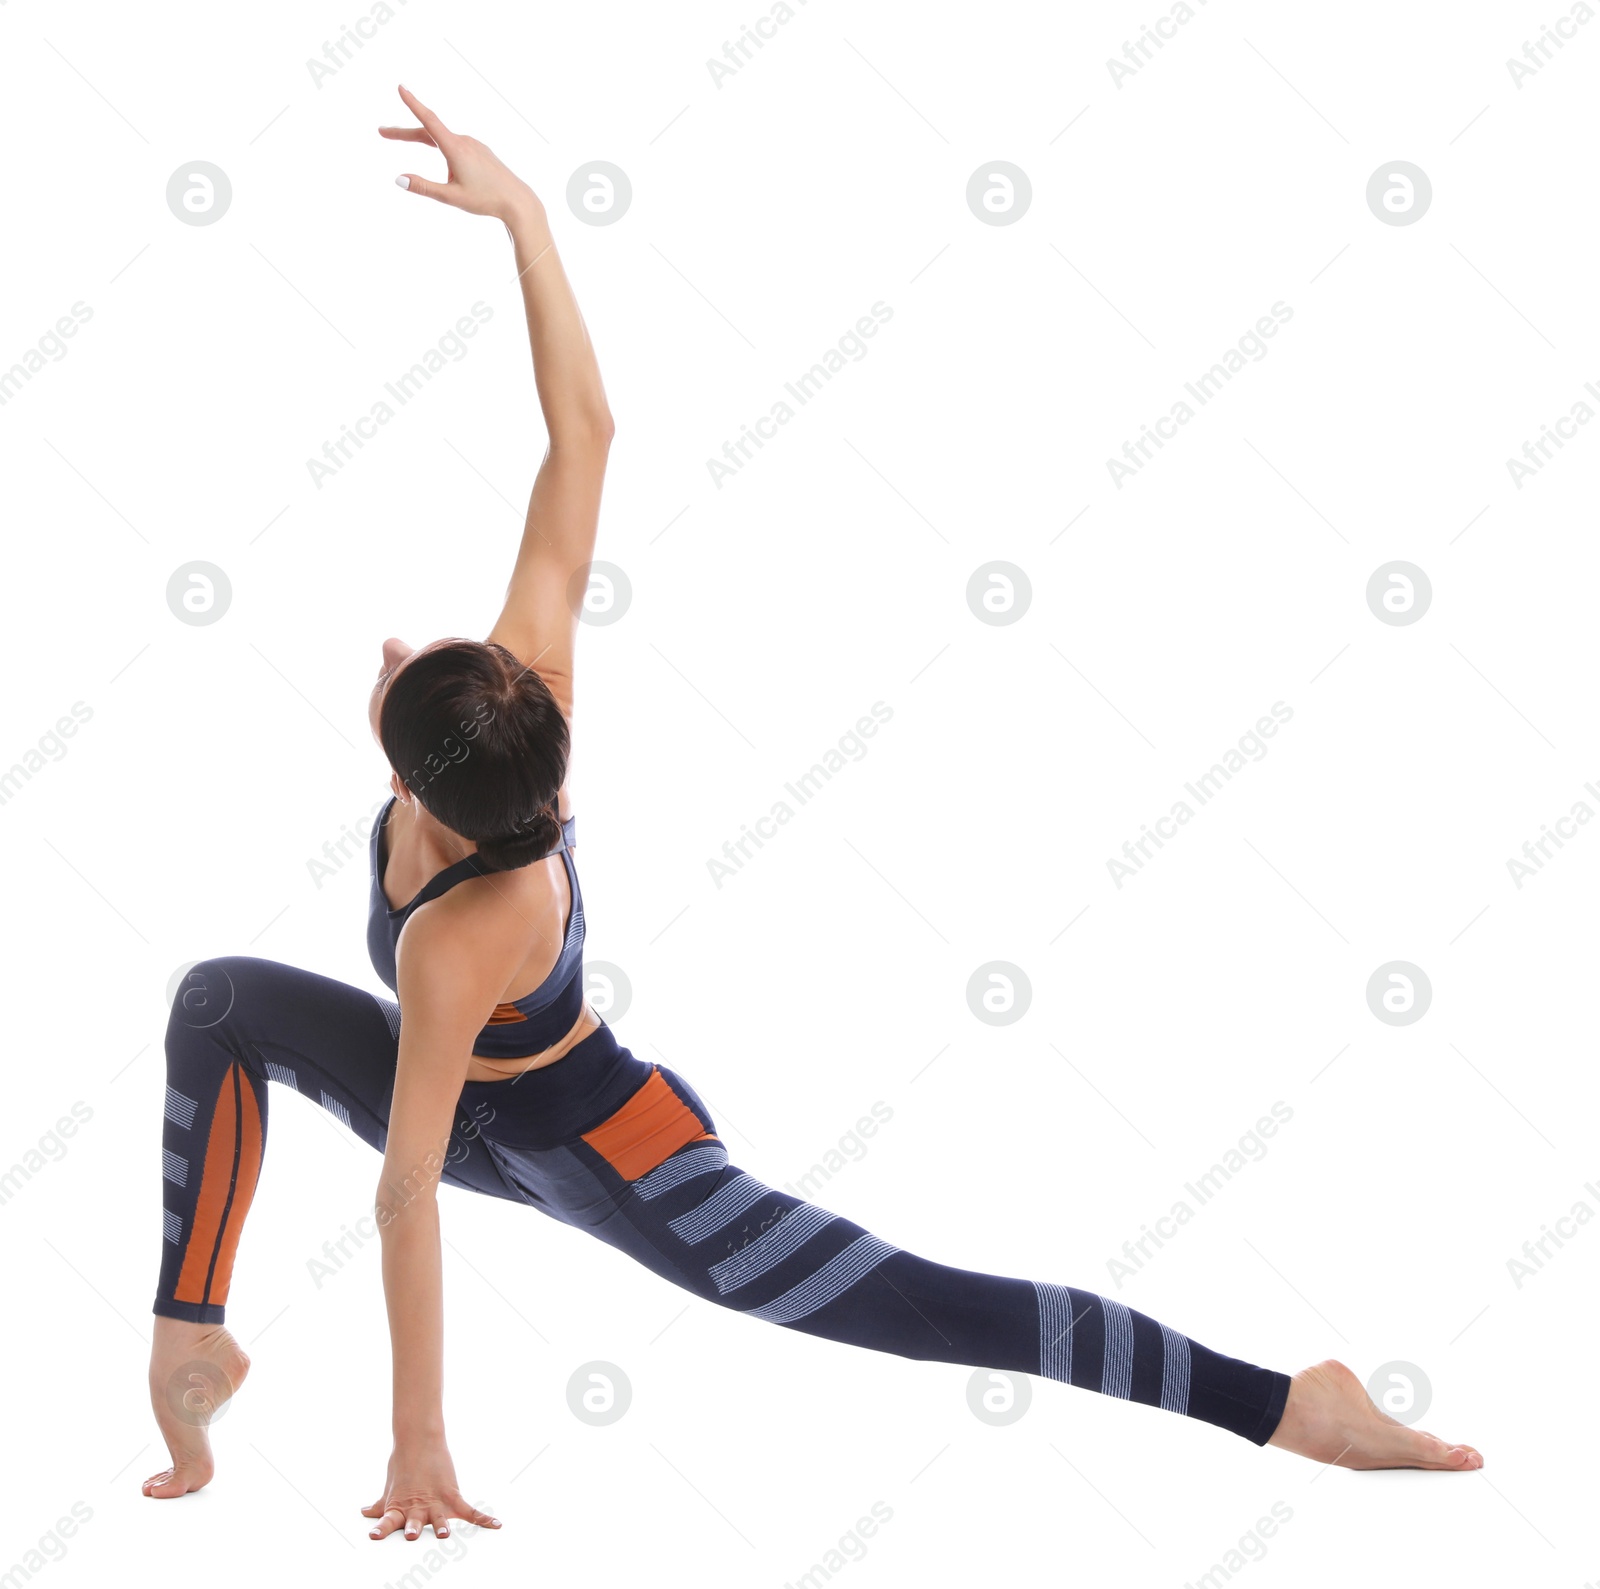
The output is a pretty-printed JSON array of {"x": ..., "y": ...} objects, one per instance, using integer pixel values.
[{"x": 478, "y": 738}]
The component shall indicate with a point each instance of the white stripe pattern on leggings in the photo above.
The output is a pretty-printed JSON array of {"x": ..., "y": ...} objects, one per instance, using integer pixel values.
[
  {"x": 391, "y": 1014},
  {"x": 724, "y": 1205},
  {"x": 1174, "y": 1371},
  {"x": 337, "y": 1110},
  {"x": 828, "y": 1283},
  {"x": 171, "y": 1225},
  {"x": 174, "y": 1167},
  {"x": 772, "y": 1247},
  {"x": 681, "y": 1167},
  {"x": 180, "y": 1110},
  {"x": 282, "y": 1073},
  {"x": 1055, "y": 1331},
  {"x": 1116, "y": 1371}
]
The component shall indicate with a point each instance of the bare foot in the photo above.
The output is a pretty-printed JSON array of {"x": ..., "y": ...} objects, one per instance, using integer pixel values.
[
  {"x": 1330, "y": 1418},
  {"x": 194, "y": 1370}
]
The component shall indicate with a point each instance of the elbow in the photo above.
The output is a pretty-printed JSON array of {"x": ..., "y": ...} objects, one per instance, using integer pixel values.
[
  {"x": 396, "y": 1216},
  {"x": 410, "y": 1195},
  {"x": 590, "y": 432}
]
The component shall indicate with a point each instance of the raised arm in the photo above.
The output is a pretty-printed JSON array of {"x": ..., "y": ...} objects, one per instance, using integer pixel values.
[{"x": 539, "y": 620}]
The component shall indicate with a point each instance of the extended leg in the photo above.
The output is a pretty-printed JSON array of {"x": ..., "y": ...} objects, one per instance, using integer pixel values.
[
  {"x": 736, "y": 1241},
  {"x": 731, "y": 1238},
  {"x": 779, "y": 1258}
]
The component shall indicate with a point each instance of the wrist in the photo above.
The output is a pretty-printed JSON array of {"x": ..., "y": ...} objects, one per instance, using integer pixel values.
[
  {"x": 415, "y": 1433},
  {"x": 525, "y": 214}
]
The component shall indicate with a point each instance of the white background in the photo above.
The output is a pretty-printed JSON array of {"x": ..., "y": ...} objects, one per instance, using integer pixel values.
[{"x": 768, "y": 214}]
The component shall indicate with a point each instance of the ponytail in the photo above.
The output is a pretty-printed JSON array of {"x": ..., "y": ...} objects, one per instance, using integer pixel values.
[{"x": 535, "y": 838}]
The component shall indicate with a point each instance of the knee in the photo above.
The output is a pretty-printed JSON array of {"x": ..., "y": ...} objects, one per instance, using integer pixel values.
[{"x": 206, "y": 996}]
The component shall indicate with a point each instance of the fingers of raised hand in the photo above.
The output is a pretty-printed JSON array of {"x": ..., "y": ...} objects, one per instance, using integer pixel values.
[
  {"x": 444, "y": 192},
  {"x": 409, "y": 135},
  {"x": 441, "y": 133}
]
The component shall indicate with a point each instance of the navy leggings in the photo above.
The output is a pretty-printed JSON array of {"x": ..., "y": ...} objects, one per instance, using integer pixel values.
[{"x": 627, "y": 1150}]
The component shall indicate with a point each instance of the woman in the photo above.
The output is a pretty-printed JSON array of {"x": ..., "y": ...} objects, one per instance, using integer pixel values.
[{"x": 492, "y": 1072}]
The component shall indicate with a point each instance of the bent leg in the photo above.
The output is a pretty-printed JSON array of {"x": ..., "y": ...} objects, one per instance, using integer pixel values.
[{"x": 237, "y": 1024}]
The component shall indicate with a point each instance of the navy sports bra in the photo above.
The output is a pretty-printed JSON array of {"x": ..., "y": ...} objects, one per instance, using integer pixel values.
[{"x": 523, "y": 1026}]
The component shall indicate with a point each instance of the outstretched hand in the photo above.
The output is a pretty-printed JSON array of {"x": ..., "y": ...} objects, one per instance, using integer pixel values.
[
  {"x": 421, "y": 1489},
  {"x": 477, "y": 180}
]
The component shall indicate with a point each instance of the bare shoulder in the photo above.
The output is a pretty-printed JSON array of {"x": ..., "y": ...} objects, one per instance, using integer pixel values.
[{"x": 458, "y": 951}]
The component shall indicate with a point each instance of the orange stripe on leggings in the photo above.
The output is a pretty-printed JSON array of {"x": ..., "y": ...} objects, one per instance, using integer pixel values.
[
  {"x": 652, "y": 1124},
  {"x": 219, "y": 1218}
]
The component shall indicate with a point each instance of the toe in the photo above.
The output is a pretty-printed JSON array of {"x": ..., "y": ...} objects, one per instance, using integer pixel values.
[
  {"x": 1436, "y": 1451},
  {"x": 1442, "y": 1455}
]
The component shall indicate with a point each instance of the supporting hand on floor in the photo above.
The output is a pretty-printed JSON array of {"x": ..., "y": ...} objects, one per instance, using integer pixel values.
[{"x": 421, "y": 1488}]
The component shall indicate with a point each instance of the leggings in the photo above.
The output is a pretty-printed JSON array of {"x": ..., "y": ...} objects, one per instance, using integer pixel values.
[{"x": 627, "y": 1150}]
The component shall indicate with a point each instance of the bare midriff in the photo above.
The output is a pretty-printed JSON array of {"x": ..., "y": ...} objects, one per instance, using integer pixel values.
[{"x": 481, "y": 1069}]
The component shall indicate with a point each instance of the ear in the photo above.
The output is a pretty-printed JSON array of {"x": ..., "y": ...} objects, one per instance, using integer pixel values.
[{"x": 397, "y": 783}]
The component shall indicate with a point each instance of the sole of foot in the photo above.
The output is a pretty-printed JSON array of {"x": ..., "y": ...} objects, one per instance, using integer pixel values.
[
  {"x": 195, "y": 1370},
  {"x": 1330, "y": 1418}
]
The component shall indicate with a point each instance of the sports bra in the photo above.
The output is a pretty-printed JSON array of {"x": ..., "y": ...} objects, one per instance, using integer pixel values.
[{"x": 519, "y": 1027}]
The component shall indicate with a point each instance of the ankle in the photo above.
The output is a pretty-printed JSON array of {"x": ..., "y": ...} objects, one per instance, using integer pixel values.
[
  {"x": 194, "y": 1369},
  {"x": 186, "y": 1333}
]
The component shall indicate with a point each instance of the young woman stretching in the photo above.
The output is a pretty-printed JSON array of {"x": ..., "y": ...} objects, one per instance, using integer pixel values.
[{"x": 492, "y": 1073}]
